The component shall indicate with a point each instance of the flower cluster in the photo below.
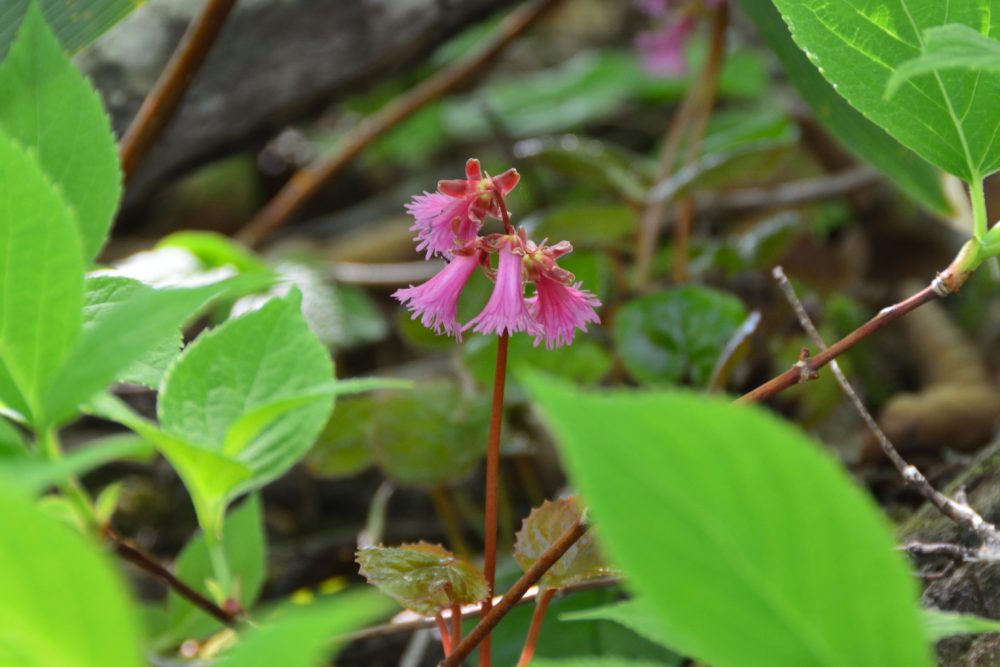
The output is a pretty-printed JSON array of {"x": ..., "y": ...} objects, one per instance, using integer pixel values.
[
  {"x": 448, "y": 223},
  {"x": 662, "y": 49}
]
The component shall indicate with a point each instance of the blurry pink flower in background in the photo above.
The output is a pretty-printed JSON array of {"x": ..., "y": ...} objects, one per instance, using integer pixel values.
[{"x": 662, "y": 48}]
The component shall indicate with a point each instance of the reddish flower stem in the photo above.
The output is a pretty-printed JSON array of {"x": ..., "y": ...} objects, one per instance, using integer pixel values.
[
  {"x": 492, "y": 488},
  {"x": 515, "y": 593},
  {"x": 443, "y": 630},
  {"x": 166, "y": 96},
  {"x": 310, "y": 180},
  {"x": 456, "y": 623},
  {"x": 541, "y": 606}
]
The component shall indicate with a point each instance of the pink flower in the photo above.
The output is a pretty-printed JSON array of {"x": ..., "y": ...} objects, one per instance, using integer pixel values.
[
  {"x": 436, "y": 301},
  {"x": 442, "y": 223},
  {"x": 507, "y": 310},
  {"x": 662, "y": 49},
  {"x": 450, "y": 217},
  {"x": 560, "y": 309}
]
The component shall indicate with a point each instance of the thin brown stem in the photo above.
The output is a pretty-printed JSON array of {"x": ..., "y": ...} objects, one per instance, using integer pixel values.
[
  {"x": 516, "y": 592},
  {"x": 696, "y": 108},
  {"x": 492, "y": 486},
  {"x": 446, "y": 643},
  {"x": 541, "y": 606},
  {"x": 958, "y": 512},
  {"x": 147, "y": 563},
  {"x": 161, "y": 103},
  {"x": 307, "y": 182}
]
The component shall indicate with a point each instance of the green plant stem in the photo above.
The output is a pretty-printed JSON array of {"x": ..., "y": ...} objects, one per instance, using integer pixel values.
[
  {"x": 980, "y": 224},
  {"x": 220, "y": 563},
  {"x": 51, "y": 449},
  {"x": 492, "y": 488},
  {"x": 531, "y": 641}
]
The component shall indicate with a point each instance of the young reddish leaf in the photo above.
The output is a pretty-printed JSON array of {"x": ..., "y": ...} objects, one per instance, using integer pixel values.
[
  {"x": 544, "y": 526},
  {"x": 423, "y": 577}
]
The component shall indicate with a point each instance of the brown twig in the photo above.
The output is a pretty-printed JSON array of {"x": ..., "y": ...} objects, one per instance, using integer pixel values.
[
  {"x": 309, "y": 180},
  {"x": 515, "y": 593},
  {"x": 442, "y": 627},
  {"x": 695, "y": 108},
  {"x": 147, "y": 563},
  {"x": 959, "y": 512},
  {"x": 161, "y": 103},
  {"x": 537, "y": 617}
]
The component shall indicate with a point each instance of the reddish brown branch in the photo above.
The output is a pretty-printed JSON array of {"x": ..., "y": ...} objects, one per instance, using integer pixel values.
[
  {"x": 145, "y": 562},
  {"x": 161, "y": 103},
  {"x": 308, "y": 181},
  {"x": 531, "y": 641},
  {"x": 516, "y": 592}
]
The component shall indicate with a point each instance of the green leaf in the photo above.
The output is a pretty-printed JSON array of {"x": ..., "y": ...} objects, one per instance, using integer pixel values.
[
  {"x": 632, "y": 614},
  {"x": 102, "y": 295},
  {"x": 62, "y": 602},
  {"x": 596, "y": 661},
  {"x": 308, "y": 636},
  {"x": 750, "y": 543},
  {"x": 677, "y": 334},
  {"x": 118, "y": 336},
  {"x": 11, "y": 439},
  {"x": 940, "y": 625},
  {"x": 946, "y": 48},
  {"x": 76, "y": 23},
  {"x": 41, "y": 284},
  {"x": 246, "y": 551},
  {"x": 910, "y": 173},
  {"x": 248, "y": 363},
  {"x": 30, "y": 474},
  {"x": 51, "y": 108},
  {"x": 344, "y": 446},
  {"x": 431, "y": 436},
  {"x": 589, "y": 224},
  {"x": 948, "y": 118},
  {"x": 545, "y": 525},
  {"x": 423, "y": 577}
]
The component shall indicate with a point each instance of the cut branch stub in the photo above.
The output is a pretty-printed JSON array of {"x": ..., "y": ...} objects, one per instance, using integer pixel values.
[
  {"x": 544, "y": 526},
  {"x": 423, "y": 577}
]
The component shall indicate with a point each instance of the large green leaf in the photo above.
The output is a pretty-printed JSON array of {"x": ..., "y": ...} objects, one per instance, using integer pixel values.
[
  {"x": 677, "y": 334},
  {"x": 76, "y": 22},
  {"x": 306, "y": 636},
  {"x": 62, "y": 603},
  {"x": 49, "y": 107},
  {"x": 751, "y": 544},
  {"x": 246, "y": 552},
  {"x": 910, "y": 173},
  {"x": 252, "y": 394},
  {"x": 949, "y": 118},
  {"x": 41, "y": 281}
]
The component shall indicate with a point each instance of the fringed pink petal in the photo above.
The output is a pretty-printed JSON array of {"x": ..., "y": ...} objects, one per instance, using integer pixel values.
[
  {"x": 435, "y": 215},
  {"x": 507, "y": 311},
  {"x": 435, "y": 302},
  {"x": 560, "y": 310}
]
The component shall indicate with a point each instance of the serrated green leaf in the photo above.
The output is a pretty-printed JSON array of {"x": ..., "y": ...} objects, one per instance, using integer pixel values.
[
  {"x": 909, "y": 172},
  {"x": 677, "y": 334},
  {"x": 943, "y": 624},
  {"x": 246, "y": 551},
  {"x": 118, "y": 337},
  {"x": 103, "y": 293},
  {"x": 41, "y": 284},
  {"x": 51, "y": 108},
  {"x": 306, "y": 636},
  {"x": 948, "y": 118},
  {"x": 946, "y": 48},
  {"x": 423, "y": 577},
  {"x": 58, "y": 585},
  {"x": 76, "y": 23},
  {"x": 545, "y": 525},
  {"x": 759, "y": 552},
  {"x": 431, "y": 436},
  {"x": 241, "y": 367}
]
